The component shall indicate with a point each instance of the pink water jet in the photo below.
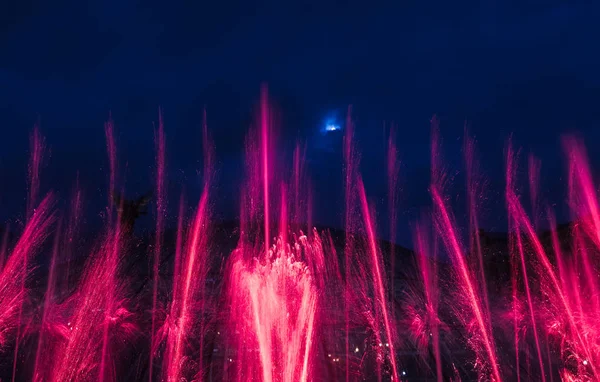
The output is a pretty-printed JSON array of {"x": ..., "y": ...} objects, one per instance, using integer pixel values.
[
  {"x": 447, "y": 231},
  {"x": 37, "y": 147},
  {"x": 518, "y": 247},
  {"x": 378, "y": 276},
  {"x": 15, "y": 273},
  {"x": 191, "y": 269},
  {"x": 426, "y": 252},
  {"x": 275, "y": 302},
  {"x": 99, "y": 317},
  {"x": 290, "y": 306},
  {"x": 393, "y": 174},
  {"x": 474, "y": 194},
  {"x": 160, "y": 217},
  {"x": 39, "y": 367}
]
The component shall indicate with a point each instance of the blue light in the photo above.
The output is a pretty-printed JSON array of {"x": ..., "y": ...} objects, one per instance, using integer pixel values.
[{"x": 331, "y": 124}]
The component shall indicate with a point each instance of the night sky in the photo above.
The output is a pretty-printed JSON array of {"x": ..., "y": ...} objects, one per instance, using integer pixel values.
[{"x": 530, "y": 68}]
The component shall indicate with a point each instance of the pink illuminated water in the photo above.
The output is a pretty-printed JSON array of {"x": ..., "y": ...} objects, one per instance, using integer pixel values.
[
  {"x": 467, "y": 282},
  {"x": 272, "y": 298},
  {"x": 274, "y": 302},
  {"x": 518, "y": 247},
  {"x": 190, "y": 273},
  {"x": 39, "y": 368},
  {"x": 426, "y": 324},
  {"x": 160, "y": 217},
  {"x": 37, "y": 148},
  {"x": 14, "y": 272}
]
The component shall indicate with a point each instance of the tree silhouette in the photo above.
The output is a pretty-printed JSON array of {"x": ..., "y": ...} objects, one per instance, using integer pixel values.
[{"x": 130, "y": 209}]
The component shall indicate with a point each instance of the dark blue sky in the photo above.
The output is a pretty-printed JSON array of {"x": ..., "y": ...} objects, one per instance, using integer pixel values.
[{"x": 527, "y": 67}]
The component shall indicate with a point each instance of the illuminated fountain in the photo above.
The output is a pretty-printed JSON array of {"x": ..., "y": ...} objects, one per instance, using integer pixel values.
[{"x": 275, "y": 299}]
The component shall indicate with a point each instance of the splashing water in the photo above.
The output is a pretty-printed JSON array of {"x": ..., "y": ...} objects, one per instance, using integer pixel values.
[
  {"x": 263, "y": 301},
  {"x": 274, "y": 300}
]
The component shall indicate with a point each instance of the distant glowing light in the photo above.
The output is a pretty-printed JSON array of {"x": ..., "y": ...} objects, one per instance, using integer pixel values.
[
  {"x": 356, "y": 350},
  {"x": 403, "y": 372},
  {"x": 585, "y": 362},
  {"x": 330, "y": 125}
]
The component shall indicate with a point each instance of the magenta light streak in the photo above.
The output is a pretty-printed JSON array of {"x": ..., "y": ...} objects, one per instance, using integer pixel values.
[
  {"x": 16, "y": 271},
  {"x": 72, "y": 232},
  {"x": 111, "y": 265},
  {"x": 265, "y": 130},
  {"x": 424, "y": 254},
  {"x": 4, "y": 246},
  {"x": 447, "y": 231},
  {"x": 12, "y": 293},
  {"x": 377, "y": 272},
  {"x": 515, "y": 309},
  {"x": 39, "y": 370},
  {"x": 449, "y": 236},
  {"x": 160, "y": 216},
  {"x": 473, "y": 193},
  {"x": 510, "y": 174},
  {"x": 291, "y": 303},
  {"x": 350, "y": 161},
  {"x": 522, "y": 222},
  {"x": 192, "y": 271},
  {"x": 533, "y": 170},
  {"x": 172, "y": 331},
  {"x": 37, "y": 148},
  {"x": 393, "y": 170},
  {"x": 111, "y": 149}
]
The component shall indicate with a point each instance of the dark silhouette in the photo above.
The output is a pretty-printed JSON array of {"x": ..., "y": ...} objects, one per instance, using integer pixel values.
[{"x": 130, "y": 210}]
